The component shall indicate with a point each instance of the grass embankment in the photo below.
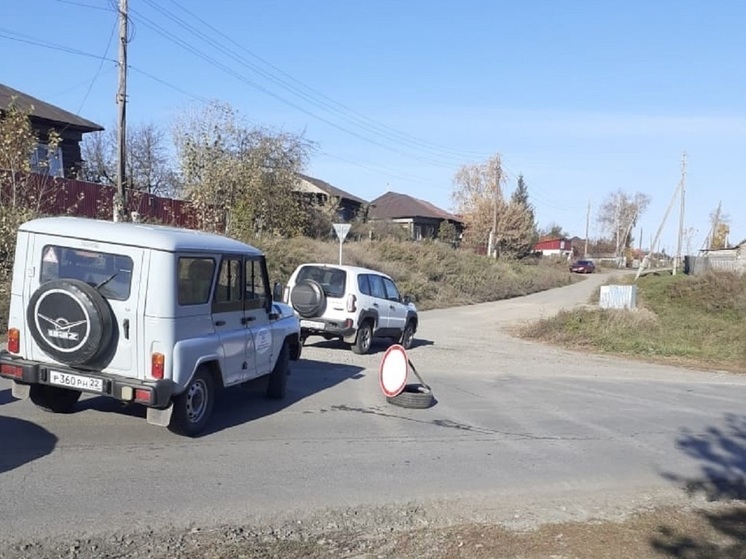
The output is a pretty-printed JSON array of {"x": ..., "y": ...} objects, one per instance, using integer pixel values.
[
  {"x": 691, "y": 321},
  {"x": 433, "y": 274}
]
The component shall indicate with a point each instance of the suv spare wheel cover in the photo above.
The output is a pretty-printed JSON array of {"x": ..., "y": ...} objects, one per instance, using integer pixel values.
[
  {"x": 307, "y": 297},
  {"x": 70, "y": 321}
]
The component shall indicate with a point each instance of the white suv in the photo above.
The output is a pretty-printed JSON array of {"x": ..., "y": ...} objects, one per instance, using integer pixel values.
[
  {"x": 350, "y": 303},
  {"x": 151, "y": 315}
]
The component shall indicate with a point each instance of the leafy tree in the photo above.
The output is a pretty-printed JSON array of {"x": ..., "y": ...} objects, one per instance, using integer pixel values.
[
  {"x": 241, "y": 179},
  {"x": 519, "y": 223},
  {"x": 619, "y": 214},
  {"x": 554, "y": 230},
  {"x": 447, "y": 232}
]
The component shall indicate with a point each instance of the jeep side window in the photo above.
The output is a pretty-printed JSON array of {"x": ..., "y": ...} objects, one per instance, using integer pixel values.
[
  {"x": 228, "y": 287},
  {"x": 363, "y": 284},
  {"x": 392, "y": 292},
  {"x": 256, "y": 288},
  {"x": 376, "y": 286},
  {"x": 195, "y": 280}
]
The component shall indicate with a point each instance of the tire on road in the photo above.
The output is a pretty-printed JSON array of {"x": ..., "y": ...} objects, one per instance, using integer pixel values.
[
  {"x": 193, "y": 407},
  {"x": 278, "y": 378},
  {"x": 414, "y": 396},
  {"x": 364, "y": 338}
]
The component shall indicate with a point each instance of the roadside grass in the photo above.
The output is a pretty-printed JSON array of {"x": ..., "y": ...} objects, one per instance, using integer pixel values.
[{"x": 690, "y": 321}]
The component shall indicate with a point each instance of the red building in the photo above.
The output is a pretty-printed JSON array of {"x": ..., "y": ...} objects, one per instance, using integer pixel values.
[{"x": 554, "y": 246}]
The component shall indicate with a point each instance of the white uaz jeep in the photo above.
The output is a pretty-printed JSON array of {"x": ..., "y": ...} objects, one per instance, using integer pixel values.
[{"x": 152, "y": 315}]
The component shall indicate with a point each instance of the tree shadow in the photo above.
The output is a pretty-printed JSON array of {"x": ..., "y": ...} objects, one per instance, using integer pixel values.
[
  {"x": 22, "y": 442},
  {"x": 6, "y": 397},
  {"x": 241, "y": 404},
  {"x": 721, "y": 452}
]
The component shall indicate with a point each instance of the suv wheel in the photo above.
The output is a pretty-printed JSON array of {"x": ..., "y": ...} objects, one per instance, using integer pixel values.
[
  {"x": 364, "y": 339},
  {"x": 407, "y": 336},
  {"x": 308, "y": 298},
  {"x": 54, "y": 398},
  {"x": 192, "y": 408}
]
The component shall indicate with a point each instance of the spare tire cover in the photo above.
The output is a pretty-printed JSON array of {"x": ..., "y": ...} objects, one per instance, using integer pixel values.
[
  {"x": 70, "y": 321},
  {"x": 308, "y": 298}
]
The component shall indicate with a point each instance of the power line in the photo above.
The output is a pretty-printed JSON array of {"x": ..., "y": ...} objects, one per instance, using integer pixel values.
[
  {"x": 98, "y": 70},
  {"x": 84, "y": 5}
]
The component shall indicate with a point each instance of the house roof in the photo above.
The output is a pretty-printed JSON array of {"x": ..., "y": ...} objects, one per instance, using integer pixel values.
[
  {"x": 46, "y": 111},
  {"x": 393, "y": 205},
  {"x": 330, "y": 190}
]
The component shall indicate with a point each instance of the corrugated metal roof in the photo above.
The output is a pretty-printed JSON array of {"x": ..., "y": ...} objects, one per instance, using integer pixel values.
[
  {"x": 43, "y": 110},
  {"x": 393, "y": 205},
  {"x": 330, "y": 189}
]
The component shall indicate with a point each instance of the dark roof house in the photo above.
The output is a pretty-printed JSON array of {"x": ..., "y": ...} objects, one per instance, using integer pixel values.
[
  {"x": 420, "y": 217},
  {"x": 350, "y": 205},
  {"x": 46, "y": 117}
]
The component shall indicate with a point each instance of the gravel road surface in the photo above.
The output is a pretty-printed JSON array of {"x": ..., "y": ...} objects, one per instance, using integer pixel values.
[{"x": 521, "y": 435}]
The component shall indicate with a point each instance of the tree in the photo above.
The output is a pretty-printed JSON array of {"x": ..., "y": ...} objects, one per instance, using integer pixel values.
[
  {"x": 241, "y": 179},
  {"x": 519, "y": 232},
  {"x": 619, "y": 214},
  {"x": 447, "y": 232},
  {"x": 147, "y": 165},
  {"x": 554, "y": 230},
  {"x": 719, "y": 229}
]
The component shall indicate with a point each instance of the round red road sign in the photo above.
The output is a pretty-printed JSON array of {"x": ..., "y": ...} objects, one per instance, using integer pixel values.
[{"x": 392, "y": 374}]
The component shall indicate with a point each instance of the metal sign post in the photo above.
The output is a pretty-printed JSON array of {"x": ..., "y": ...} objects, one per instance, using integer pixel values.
[{"x": 341, "y": 229}]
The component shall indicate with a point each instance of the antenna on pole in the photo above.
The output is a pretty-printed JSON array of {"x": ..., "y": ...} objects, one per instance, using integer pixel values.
[{"x": 120, "y": 199}]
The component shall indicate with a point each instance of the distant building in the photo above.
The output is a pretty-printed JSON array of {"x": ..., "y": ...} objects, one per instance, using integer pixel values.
[
  {"x": 45, "y": 118},
  {"x": 554, "y": 246},
  {"x": 320, "y": 191},
  {"x": 422, "y": 219}
]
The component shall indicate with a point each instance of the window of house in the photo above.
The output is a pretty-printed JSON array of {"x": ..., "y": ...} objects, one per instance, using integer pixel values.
[{"x": 45, "y": 161}]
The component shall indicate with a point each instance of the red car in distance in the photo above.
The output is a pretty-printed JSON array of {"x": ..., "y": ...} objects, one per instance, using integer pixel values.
[{"x": 583, "y": 267}]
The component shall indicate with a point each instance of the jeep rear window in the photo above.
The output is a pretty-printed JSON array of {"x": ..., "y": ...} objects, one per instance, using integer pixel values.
[
  {"x": 195, "y": 280},
  {"x": 332, "y": 280},
  {"x": 110, "y": 274}
]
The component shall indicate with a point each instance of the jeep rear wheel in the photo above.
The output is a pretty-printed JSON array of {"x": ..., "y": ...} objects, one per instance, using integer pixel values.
[
  {"x": 364, "y": 339},
  {"x": 54, "y": 398},
  {"x": 193, "y": 407}
]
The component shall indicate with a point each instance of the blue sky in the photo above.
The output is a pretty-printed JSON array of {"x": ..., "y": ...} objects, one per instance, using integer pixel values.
[{"x": 581, "y": 97}]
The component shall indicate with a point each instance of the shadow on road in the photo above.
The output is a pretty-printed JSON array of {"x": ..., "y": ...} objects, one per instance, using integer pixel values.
[
  {"x": 721, "y": 453},
  {"x": 22, "y": 442},
  {"x": 241, "y": 404},
  {"x": 6, "y": 397},
  {"x": 379, "y": 345}
]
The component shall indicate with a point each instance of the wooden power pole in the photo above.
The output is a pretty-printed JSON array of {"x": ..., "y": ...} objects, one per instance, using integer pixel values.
[
  {"x": 677, "y": 260},
  {"x": 587, "y": 228},
  {"x": 120, "y": 202}
]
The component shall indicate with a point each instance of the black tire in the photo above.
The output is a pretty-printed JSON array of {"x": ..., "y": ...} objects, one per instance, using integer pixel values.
[
  {"x": 278, "y": 378},
  {"x": 364, "y": 338},
  {"x": 70, "y": 321},
  {"x": 407, "y": 336},
  {"x": 193, "y": 407},
  {"x": 54, "y": 399},
  {"x": 414, "y": 396},
  {"x": 307, "y": 297}
]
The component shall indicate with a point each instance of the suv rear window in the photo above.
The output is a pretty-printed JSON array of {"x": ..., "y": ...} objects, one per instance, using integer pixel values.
[
  {"x": 332, "y": 280},
  {"x": 111, "y": 274}
]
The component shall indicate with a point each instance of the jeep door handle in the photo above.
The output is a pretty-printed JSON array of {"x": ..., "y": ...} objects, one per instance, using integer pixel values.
[
  {"x": 126, "y": 328},
  {"x": 247, "y": 319},
  {"x": 220, "y": 323}
]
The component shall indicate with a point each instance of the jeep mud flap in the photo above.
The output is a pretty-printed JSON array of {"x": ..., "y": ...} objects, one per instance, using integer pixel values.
[
  {"x": 160, "y": 417},
  {"x": 20, "y": 391}
]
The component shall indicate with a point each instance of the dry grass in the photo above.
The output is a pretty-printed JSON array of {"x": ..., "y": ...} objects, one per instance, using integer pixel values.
[{"x": 694, "y": 321}]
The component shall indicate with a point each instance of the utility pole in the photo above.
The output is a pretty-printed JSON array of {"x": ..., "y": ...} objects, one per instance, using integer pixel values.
[
  {"x": 677, "y": 260},
  {"x": 587, "y": 228},
  {"x": 120, "y": 201},
  {"x": 493, "y": 241}
]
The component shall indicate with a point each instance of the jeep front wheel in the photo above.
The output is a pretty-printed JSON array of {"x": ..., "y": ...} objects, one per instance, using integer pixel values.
[
  {"x": 278, "y": 378},
  {"x": 193, "y": 407},
  {"x": 364, "y": 339},
  {"x": 53, "y": 398}
]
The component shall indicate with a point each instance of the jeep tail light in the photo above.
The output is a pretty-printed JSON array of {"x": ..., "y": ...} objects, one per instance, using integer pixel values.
[
  {"x": 14, "y": 340},
  {"x": 11, "y": 371},
  {"x": 351, "y": 303},
  {"x": 143, "y": 395},
  {"x": 157, "y": 364}
]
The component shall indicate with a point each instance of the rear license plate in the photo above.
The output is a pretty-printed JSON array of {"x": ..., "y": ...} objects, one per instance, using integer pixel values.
[
  {"x": 312, "y": 324},
  {"x": 77, "y": 382}
]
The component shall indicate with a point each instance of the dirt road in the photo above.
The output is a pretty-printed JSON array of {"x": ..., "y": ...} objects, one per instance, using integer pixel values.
[{"x": 522, "y": 437}]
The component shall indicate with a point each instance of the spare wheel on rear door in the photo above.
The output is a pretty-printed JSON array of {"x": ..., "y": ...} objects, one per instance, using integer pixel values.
[
  {"x": 70, "y": 321},
  {"x": 307, "y": 297}
]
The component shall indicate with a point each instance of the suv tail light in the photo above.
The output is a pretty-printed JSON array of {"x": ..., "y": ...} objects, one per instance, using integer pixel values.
[
  {"x": 14, "y": 340},
  {"x": 157, "y": 363},
  {"x": 351, "y": 303}
]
